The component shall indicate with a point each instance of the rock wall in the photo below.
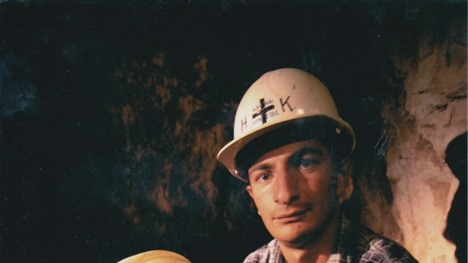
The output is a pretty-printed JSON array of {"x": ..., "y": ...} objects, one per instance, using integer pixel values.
[{"x": 428, "y": 115}]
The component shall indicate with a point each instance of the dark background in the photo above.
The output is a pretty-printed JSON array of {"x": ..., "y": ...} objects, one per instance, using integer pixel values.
[{"x": 67, "y": 177}]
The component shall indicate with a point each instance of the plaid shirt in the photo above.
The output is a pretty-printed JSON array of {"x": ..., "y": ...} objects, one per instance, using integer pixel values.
[{"x": 355, "y": 244}]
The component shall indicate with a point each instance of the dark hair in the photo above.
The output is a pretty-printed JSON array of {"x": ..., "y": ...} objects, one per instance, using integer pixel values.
[{"x": 332, "y": 135}]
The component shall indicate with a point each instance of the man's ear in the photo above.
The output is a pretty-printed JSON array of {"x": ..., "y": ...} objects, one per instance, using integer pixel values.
[
  {"x": 249, "y": 190},
  {"x": 345, "y": 187}
]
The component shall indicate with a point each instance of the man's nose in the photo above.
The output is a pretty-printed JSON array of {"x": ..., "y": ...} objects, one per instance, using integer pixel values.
[{"x": 286, "y": 187}]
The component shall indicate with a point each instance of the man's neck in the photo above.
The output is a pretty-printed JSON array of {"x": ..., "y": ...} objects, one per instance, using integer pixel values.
[{"x": 316, "y": 248}]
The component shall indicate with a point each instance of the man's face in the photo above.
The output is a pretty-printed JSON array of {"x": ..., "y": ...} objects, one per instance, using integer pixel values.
[{"x": 296, "y": 190}]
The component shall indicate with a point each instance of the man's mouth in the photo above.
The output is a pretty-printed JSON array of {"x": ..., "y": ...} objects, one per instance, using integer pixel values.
[{"x": 293, "y": 216}]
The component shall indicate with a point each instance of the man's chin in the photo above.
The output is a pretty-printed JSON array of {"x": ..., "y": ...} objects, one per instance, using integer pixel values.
[
  {"x": 301, "y": 234},
  {"x": 293, "y": 233}
]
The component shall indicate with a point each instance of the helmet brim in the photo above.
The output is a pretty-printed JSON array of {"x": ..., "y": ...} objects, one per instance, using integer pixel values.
[{"x": 228, "y": 154}]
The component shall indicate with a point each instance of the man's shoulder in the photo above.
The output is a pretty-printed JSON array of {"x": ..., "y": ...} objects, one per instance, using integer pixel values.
[
  {"x": 382, "y": 249},
  {"x": 373, "y": 247},
  {"x": 269, "y": 253}
]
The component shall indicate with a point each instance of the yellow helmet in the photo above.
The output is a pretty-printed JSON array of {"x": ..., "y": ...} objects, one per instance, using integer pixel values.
[
  {"x": 156, "y": 256},
  {"x": 278, "y": 98}
]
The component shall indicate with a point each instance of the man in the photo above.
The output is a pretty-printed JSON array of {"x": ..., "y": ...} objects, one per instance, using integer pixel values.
[{"x": 292, "y": 149}]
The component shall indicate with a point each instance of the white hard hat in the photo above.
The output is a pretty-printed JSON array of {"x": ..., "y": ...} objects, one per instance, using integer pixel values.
[
  {"x": 278, "y": 98},
  {"x": 156, "y": 256}
]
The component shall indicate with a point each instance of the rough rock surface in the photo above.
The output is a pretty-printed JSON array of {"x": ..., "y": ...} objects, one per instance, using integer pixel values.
[{"x": 430, "y": 113}]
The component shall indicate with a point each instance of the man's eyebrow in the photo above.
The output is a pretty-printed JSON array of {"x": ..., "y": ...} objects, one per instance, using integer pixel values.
[
  {"x": 260, "y": 166},
  {"x": 304, "y": 151}
]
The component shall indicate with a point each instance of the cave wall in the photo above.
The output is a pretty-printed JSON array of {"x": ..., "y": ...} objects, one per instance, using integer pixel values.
[{"x": 427, "y": 116}]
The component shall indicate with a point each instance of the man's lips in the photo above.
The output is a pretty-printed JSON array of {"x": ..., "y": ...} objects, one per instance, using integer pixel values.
[{"x": 291, "y": 216}]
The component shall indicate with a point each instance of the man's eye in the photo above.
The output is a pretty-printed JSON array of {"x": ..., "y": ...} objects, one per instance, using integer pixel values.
[
  {"x": 264, "y": 177},
  {"x": 307, "y": 162}
]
